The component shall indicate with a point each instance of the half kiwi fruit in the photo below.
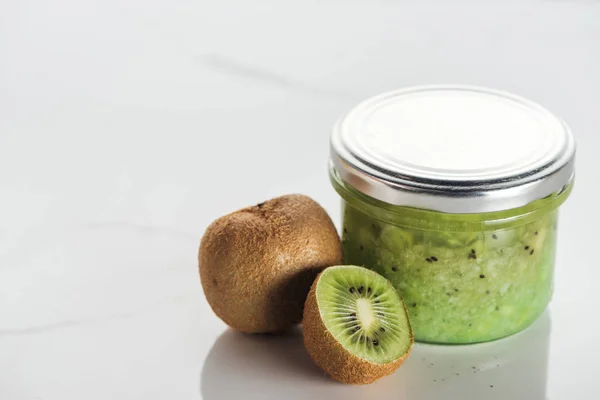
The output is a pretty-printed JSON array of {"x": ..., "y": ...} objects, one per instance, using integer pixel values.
[{"x": 356, "y": 326}]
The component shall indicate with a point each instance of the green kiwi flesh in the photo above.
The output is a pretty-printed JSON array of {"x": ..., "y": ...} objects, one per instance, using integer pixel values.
[{"x": 364, "y": 313}]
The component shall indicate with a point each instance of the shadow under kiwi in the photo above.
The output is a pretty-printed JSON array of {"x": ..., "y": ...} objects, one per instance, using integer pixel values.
[
  {"x": 277, "y": 367},
  {"x": 287, "y": 307}
]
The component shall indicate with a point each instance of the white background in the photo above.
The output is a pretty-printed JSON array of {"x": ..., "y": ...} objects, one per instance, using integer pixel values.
[{"x": 126, "y": 127}]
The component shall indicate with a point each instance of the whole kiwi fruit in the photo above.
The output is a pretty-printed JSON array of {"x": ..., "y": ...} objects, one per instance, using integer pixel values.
[{"x": 257, "y": 264}]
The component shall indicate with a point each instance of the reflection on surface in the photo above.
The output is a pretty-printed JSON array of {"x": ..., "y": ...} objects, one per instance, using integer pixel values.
[
  {"x": 511, "y": 368},
  {"x": 275, "y": 367}
]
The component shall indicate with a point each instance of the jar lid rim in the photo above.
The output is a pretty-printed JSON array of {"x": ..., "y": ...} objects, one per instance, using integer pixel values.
[{"x": 454, "y": 149}]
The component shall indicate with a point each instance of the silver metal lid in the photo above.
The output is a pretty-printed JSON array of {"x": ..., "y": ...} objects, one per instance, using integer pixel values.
[{"x": 453, "y": 149}]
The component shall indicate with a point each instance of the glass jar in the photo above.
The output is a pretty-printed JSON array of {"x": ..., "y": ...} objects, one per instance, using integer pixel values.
[{"x": 452, "y": 193}]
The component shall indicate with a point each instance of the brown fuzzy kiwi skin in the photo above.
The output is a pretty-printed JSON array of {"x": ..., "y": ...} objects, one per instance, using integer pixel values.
[
  {"x": 331, "y": 356},
  {"x": 257, "y": 264}
]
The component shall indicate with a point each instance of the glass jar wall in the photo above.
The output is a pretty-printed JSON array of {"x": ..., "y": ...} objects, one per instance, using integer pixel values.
[{"x": 465, "y": 278}]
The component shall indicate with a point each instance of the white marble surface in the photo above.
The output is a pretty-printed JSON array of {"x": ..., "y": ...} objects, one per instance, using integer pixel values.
[{"x": 126, "y": 127}]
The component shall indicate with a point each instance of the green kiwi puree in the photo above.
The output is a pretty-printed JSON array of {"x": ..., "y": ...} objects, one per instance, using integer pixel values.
[{"x": 465, "y": 278}]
